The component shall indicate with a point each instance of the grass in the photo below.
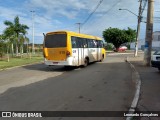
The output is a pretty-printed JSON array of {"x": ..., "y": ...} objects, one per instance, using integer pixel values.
[
  {"x": 19, "y": 61},
  {"x": 109, "y": 51}
]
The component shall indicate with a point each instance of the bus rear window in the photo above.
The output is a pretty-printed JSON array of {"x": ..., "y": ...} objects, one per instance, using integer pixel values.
[{"x": 56, "y": 40}]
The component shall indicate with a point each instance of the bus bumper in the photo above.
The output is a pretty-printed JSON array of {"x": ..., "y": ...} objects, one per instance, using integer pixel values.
[{"x": 68, "y": 62}]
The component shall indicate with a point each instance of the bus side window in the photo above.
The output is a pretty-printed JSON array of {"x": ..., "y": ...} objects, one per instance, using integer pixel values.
[
  {"x": 89, "y": 43},
  {"x": 78, "y": 40},
  {"x": 102, "y": 44},
  {"x": 74, "y": 42},
  {"x": 85, "y": 45},
  {"x": 82, "y": 41},
  {"x": 94, "y": 44},
  {"x": 99, "y": 44}
]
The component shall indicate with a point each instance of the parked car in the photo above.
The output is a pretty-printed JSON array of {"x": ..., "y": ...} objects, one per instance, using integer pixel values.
[
  {"x": 121, "y": 49},
  {"x": 155, "y": 61}
]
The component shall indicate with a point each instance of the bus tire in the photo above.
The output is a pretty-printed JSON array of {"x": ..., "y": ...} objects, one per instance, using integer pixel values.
[
  {"x": 102, "y": 58},
  {"x": 86, "y": 61}
]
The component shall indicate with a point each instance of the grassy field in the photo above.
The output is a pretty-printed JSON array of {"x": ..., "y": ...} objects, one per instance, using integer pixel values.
[{"x": 19, "y": 61}]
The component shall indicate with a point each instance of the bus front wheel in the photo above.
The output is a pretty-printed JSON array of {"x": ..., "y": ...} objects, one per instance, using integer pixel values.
[
  {"x": 102, "y": 58},
  {"x": 86, "y": 61}
]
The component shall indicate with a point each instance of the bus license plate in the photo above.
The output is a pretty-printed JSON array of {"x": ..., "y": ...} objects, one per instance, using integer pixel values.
[{"x": 55, "y": 62}]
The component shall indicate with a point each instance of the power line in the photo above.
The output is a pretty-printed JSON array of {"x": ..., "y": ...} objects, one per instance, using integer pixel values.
[
  {"x": 112, "y": 7},
  {"x": 92, "y": 12},
  {"x": 144, "y": 5},
  {"x": 104, "y": 12}
]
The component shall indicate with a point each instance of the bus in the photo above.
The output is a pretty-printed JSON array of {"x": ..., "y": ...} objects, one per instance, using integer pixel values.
[{"x": 72, "y": 49}]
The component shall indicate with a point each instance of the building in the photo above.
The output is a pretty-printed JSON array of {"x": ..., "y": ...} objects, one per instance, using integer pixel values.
[
  {"x": 155, "y": 42},
  {"x": 156, "y": 36}
]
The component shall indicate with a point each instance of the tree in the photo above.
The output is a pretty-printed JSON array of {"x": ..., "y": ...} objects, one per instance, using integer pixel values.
[
  {"x": 27, "y": 42},
  {"x": 118, "y": 36},
  {"x": 16, "y": 28},
  {"x": 9, "y": 35},
  {"x": 2, "y": 46},
  {"x": 131, "y": 34},
  {"x": 23, "y": 40}
]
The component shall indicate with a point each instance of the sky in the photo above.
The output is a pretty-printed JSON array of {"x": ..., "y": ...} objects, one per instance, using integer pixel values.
[{"x": 55, "y": 15}]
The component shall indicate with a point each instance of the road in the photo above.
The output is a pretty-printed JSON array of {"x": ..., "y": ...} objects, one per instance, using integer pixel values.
[{"x": 105, "y": 86}]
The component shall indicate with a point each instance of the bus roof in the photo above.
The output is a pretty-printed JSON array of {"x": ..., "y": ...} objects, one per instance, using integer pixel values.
[{"x": 76, "y": 34}]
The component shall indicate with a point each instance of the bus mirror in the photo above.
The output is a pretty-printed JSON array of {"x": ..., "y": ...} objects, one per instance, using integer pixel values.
[
  {"x": 44, "y": 35},
  {"x": 43, "y": 41}
]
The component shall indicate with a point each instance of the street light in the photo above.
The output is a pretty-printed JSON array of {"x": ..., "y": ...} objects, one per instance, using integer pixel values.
[
  {"x": 33, "y": 49},
  {"x": 138, "y": 29},
  {"x": 129, "y": 11}
]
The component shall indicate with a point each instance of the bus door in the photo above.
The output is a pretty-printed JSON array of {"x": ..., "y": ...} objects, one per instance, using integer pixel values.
[
  {"x": 99, "y": 51},
  {"x": 95, "y": 53},
  {"x": 85, "y": 50},
  {"x": 80, "y": 51},
  {"x": 92, "y": 48},
  {"x": 77, "y": 51}
]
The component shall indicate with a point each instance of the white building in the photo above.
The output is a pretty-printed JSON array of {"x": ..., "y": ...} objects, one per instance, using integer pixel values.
[
  {"x": 155, "y": 42},
  {"x": 156, "y": 36}
]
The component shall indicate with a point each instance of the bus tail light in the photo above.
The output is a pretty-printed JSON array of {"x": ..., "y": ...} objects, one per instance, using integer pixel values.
[
  {"x": 45, "y": 52},
  {"x": 68, "y": 53}
]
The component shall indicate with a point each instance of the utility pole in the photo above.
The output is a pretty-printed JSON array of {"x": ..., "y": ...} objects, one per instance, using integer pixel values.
[
  {"x": 149, "y": 34},
  {"x": 33, "y": 49},
  {"x": 138, "y": 28},
  {"x": 79, "y": 27}
]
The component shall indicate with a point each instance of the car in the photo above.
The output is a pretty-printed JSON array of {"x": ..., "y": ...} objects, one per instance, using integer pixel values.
[
  {"x": 155, "y": 61},
  {"x": 121, "y": 49}
]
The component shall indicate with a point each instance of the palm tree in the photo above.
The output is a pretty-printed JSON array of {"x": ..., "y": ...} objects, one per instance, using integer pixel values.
[
  {"x": 28, "y": 48},
  {"x": 21, "y": 41},
  {"x": 5, "y": 45},
  {"x": 9, "y": 34},
  {"x": 27, "y": 42},
  {"x": 1, "y": 45},
  {"x": 17, "y": 28}
]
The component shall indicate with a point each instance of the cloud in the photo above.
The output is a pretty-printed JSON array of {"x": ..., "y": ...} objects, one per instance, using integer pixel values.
[
  {"x": 111, "y": 16},
  {"x": 53, "y": 15},
  {"x": 8, "y": 14},
  {"x": 42, "y": 23},
  {"x": 68, "y": 8}
]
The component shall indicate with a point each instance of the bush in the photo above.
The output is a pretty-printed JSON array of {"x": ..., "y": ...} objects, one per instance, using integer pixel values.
[
  {"x": 109, "y": 46},
  {"x": 2, "y": 48}
]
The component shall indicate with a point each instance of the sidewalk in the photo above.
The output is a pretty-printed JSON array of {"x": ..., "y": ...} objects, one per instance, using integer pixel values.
[{"x": 150, "y": 87}]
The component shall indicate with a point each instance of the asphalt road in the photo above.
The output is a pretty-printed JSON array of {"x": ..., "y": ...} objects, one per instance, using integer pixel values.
[{"x": 105, "y": 86}]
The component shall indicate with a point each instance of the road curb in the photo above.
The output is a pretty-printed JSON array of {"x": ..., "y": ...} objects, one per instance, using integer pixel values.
[
  {"x": 138, "y": 87},
  {"x": 20, "y": 66}
]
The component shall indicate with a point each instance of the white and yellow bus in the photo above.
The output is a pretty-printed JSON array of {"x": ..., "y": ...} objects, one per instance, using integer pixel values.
[{"x": 72, "y": 49}]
